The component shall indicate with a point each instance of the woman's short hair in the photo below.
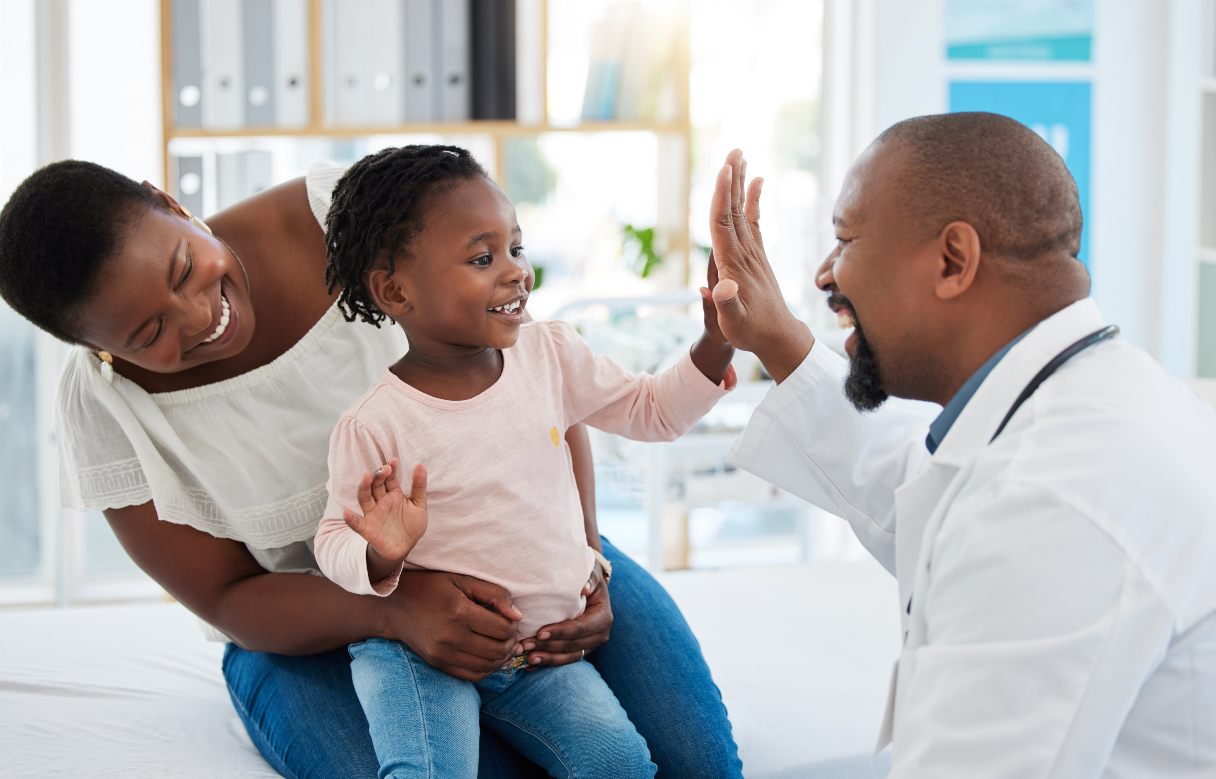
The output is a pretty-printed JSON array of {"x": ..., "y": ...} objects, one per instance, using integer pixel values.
[
  {"x": 56, "y": 232},
  {"x": 378, "y": 207}
]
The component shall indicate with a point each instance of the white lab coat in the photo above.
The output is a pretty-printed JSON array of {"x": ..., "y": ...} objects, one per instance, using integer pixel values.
[{"x": 1057, "y": 587}]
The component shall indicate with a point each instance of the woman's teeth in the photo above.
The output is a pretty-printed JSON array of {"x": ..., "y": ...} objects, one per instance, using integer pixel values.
[
  {"x": 225, "y": 316},
  {"x": 507, "y": 308}
]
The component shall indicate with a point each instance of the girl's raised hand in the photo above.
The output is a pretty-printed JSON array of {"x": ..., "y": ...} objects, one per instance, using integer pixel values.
[{"x": 392, "y": 522}]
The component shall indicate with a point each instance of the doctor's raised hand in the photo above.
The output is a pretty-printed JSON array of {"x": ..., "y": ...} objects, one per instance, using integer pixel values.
[{"x": 751, "y": 309}]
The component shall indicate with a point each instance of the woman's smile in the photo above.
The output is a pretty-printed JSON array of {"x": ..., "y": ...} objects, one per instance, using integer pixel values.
[{"x": 224, "y": 324}]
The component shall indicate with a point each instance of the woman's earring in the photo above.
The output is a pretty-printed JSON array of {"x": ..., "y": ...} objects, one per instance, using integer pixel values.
[
  {"x": 200, "y": 224},
  {"x": 107, "y": 366}
]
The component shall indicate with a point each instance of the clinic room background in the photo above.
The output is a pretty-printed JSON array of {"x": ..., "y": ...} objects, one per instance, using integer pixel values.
[{"x": 605, "y": 122}]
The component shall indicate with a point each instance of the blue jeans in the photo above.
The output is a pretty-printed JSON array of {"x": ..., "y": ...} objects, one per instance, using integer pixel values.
[
  {"x": 303, "y": 716},
  {"x": 424, "y": 723}
]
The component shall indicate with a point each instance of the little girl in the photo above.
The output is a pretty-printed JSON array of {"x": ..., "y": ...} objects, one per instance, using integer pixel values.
[{"x": 479, "y": 407}]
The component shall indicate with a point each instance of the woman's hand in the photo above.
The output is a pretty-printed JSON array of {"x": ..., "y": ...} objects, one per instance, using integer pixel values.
[
  {"x": 463, "y": 626},
  {"x": 569, "y": 641}
]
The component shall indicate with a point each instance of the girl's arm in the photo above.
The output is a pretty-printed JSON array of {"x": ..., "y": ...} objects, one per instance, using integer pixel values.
[
  {"x": 566, "y": 642},
  {"x": 584, "y": 478},
  {"x": 437, "y": 614}
]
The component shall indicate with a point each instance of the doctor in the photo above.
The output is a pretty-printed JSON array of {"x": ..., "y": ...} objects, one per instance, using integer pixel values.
[{"x": 1053, "y": 525}]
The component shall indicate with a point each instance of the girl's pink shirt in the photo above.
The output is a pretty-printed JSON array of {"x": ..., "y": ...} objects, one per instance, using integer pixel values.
[{"x": 502, "y": 501}]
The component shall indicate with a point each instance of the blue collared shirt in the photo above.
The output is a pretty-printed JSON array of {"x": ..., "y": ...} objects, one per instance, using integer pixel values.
[{"x": 950, "y": 413}]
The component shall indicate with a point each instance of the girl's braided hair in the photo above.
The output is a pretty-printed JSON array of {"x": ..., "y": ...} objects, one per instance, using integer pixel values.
[{"x": 379, "y": 206}]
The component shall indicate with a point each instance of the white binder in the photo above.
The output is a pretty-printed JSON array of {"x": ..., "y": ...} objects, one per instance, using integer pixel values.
[
  {"x": 257, "y": 34},
  {"x": 257, "y": 172},
  {"x": 228, "y": 189},
  {"x": 290, "y": 62},
  {"x": 241, "y": 174},
  {"x": 455, "y": 96},
  {"x": 366, "y": 78},
  {"x": 421, "y": 60},
  {"x": 187, "y": 64},
  {"x": 223, "y": 79}
]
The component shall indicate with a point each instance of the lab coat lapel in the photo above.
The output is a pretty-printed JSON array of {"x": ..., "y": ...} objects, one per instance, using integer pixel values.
[{"x": 974, "y": 427}]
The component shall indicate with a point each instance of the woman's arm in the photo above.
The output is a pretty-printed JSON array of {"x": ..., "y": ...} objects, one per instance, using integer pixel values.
[{"x": 437, "y": 614}]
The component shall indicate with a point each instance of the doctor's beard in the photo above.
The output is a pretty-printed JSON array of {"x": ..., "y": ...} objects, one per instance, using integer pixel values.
[{"x": 863, "y": 386}]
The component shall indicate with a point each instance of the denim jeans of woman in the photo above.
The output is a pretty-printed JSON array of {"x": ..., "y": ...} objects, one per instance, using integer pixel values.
[{"x": 304, "y": 717}]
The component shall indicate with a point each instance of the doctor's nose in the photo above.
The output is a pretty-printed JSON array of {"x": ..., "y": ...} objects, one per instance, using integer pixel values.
[{"x": 824, "y": 276}]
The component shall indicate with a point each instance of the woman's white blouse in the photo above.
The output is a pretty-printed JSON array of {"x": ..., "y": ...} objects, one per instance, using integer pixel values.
[{"x": 242, "y": 458}]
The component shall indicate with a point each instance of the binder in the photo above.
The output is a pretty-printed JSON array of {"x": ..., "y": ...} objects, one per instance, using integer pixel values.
[
  {"x": 187, "y": 81},
  {"x": 290, "y": 20},
  {"x": 604, "y": 68},
  {"x": 228, "y": 188},
  {"x": 257, "y": 35},
  {"x": 530, "y": 57},
  {"x": 223, "y": 80},
  {"x": 257, "y": 172},
  {"x": 421, "y": 59},
  {"x": 188, "y": 180},
  {"x": 493, "y": 59},
  {"x": 368, "y": 63},
  {"x": 241, "y": 174},
  {"x": 455, "y": 95}
]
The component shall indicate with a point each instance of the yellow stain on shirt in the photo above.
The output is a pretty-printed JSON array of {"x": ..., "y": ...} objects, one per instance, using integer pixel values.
[{"x": 555, "y": 436}]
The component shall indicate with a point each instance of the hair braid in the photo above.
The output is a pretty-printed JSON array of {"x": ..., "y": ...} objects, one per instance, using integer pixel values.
[{"x": 379, "y": 206}]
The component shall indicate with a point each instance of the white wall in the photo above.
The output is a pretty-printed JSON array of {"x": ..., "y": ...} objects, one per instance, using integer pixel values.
[
  {"x": 1145, "y": 144},
  {"x": 115, "y": 98}
]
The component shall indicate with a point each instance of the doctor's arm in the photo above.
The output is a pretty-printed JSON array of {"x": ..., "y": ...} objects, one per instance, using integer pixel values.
[
  {"x": 1038, "y": 633},
  {"x": 805, "y": 437}
]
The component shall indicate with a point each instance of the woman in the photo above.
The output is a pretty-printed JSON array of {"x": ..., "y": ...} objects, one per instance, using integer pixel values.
[{"x": 212, "y": 366}]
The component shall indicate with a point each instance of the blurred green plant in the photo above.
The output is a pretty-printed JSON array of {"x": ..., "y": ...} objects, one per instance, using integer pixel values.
[{"x": 639, "y": 242}]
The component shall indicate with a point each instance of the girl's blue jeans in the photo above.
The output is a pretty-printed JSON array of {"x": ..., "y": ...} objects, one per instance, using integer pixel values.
[
  {"x": 424, "y": 723},
  {"x": 304, "y": 717}
]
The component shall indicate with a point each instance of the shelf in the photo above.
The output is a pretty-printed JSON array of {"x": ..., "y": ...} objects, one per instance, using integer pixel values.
[
  {"x": 1208, "y": 85},
  {"x": 484, "y": 127},
  {"x": 1207, "y": 254}
]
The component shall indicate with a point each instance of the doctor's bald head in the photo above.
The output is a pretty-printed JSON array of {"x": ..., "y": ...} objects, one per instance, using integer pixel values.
[
  {"x": 953, "y": 231},
  {"x": 991, "y": 172}
]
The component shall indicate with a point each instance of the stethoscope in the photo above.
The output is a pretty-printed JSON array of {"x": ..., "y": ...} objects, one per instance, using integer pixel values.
[{"x": 1096, "y": 337}]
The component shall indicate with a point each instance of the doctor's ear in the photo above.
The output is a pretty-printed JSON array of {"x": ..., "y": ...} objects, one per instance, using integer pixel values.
[
  {"x": 390, "y": 292},
  {"x": 959, "y": 248}
]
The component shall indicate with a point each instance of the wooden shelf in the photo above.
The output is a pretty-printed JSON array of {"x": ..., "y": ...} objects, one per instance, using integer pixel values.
[
  {"x": 675, "y": 184},
  {"x": 483, "y": 127}
]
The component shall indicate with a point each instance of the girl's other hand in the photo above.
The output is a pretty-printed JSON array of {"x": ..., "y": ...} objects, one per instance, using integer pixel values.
[{"x": 713, "y": 330}]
